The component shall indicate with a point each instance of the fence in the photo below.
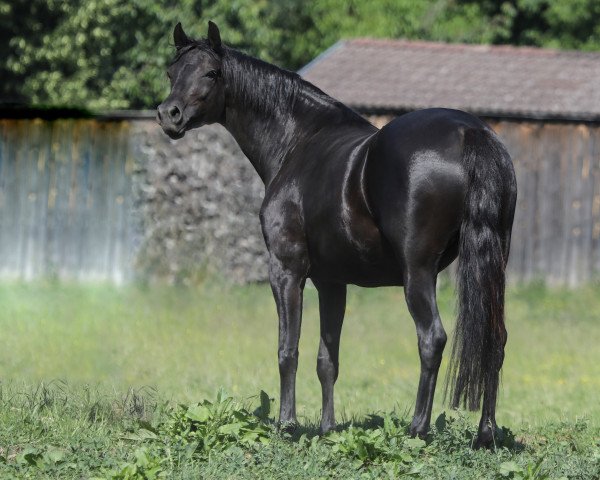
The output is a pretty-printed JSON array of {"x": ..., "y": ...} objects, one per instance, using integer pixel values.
[
  {"x": 556, "y": 235},
  {"x": 67, "y": 200}
]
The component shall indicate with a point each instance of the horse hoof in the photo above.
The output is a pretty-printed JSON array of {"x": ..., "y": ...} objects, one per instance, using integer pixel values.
[
  {"x": 418, "y": 431},
  {"x": 326, "y": 428},
  {"x": 485, "y": 439},
  {"x": 288, "y": 427}
]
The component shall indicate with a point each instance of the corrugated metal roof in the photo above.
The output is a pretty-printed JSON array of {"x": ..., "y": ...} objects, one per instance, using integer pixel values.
[{"x": 390, "y": 75}]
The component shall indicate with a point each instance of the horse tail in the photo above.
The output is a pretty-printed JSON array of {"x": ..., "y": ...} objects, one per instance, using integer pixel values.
[{"x": 480, "y": 334}]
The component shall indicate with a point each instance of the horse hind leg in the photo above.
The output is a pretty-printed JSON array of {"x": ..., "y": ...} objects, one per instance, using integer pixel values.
[
  {"x": 332, "y": 305},
  {"x": 487, "y": 424},
  {"x": 420, "y": 296}
]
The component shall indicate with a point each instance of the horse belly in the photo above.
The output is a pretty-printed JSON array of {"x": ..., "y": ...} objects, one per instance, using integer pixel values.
[{"x": 355, "y": 253}]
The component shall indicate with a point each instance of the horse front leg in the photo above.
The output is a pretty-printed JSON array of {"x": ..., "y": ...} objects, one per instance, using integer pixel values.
[
  {"x": 332, "y": 306},
  {"x": 288, "y": 287}
]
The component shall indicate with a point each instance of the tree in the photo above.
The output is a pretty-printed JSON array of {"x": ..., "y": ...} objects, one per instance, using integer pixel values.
[{"x": 107, "y": 54}]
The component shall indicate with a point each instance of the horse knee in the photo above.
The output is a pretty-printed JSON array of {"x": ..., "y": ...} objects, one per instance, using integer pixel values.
[
  {"x": 327, "y": 371},
  {"x": 288, "y": 362},
  {"x": 431, "y": 347}
]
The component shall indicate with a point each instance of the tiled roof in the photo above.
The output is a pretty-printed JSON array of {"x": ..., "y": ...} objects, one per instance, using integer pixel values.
[{"x": 389, "y": 75}]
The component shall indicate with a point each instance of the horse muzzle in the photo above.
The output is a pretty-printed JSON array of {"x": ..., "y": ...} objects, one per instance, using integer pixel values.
[{"x": 170, "y": 117}]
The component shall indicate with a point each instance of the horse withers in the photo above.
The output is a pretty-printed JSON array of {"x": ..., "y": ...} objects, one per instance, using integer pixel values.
[{"x": 346, "y": 203}]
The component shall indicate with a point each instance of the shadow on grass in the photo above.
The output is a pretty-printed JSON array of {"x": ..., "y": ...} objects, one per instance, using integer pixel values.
[
  {"x": 311, "y": 430},
  {"x": 452, "y": 432}
]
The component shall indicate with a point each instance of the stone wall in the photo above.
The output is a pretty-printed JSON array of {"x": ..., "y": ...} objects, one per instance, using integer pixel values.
[{"x": 197, "y": 201}]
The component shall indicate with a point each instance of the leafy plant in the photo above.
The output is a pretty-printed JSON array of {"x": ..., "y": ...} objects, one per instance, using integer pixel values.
[
  {"x": 219, "y": 425},
  {"x": 532, "y": 471},
  {"x": 390, "y": 443},
  {"x": 147, "y": 465}
]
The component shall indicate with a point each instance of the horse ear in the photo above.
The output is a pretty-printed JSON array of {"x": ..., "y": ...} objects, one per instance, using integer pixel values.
[
  {"x": 179, "y": 36},
  {"x": 214, "y": 37}
]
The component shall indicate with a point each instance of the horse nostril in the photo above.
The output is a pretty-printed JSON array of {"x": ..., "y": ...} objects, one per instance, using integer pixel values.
[{"x": 174, "y": 114}]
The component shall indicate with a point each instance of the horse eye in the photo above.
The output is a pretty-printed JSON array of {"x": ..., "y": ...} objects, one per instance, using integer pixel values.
[{"x": 213, "y": 74}]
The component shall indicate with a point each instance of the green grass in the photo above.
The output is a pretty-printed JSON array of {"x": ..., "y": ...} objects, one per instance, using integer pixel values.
[
  {"x": 187, "y": 343},
  {"x": 168, "y": 345},
  {"x": 58, "y": 431}
]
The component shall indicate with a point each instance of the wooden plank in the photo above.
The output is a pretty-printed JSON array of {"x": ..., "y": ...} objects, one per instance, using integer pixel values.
[
  {"x": 510, "y": 134},
  {"x": 595, "y": 155},
  {"x": 544, "y": 202},
  {"x": 30, "y": 186},
  {"x": 81, "y": 151},
  {"x": 585, "y": 214},
  {"x": 121, "y": 244},
  {"x": 109, "y": 194},
  {"x": 43, "y": 169},
  {"x": 528, "y": 134},
  {"x": 22, "y": 186},
  {"x": 5, "y": 203},
  {"x": 63, "y": 176},
  {"x": 551, "y": 200},
  {"x": 575, "y": 234}
]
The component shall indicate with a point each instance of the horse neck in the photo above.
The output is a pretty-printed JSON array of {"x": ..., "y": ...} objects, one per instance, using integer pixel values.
[
  {"x": 264, "y": 140},
  {"x": 270, "y": 111}
]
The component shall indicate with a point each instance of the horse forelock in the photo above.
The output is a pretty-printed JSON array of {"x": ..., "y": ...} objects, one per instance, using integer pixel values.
[{"x": 193, "y": 45}]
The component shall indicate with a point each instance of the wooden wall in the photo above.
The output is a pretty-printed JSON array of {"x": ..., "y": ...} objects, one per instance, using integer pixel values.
[
  {"x": 556, "y": 234},
  {"x": 65, "y": 200}
]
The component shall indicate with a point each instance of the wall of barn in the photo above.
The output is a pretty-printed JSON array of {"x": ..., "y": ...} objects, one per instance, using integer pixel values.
[
  {"x": 92, "y": 199},
  {"x": 556, "y": 234},
  {"x": 65, "y": 200}
]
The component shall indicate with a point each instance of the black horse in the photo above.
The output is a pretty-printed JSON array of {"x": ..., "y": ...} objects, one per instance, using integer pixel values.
[{"x": 346, "y": 203}]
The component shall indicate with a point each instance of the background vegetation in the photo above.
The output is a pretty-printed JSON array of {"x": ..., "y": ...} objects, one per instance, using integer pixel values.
[{"x": 106, "y": 54}]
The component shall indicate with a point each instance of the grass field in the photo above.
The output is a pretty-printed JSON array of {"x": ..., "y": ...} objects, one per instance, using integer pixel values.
[{"x": 128, "y": 352}]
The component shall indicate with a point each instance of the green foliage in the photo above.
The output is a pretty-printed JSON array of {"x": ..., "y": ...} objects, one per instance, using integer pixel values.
[
  {"x": 547, "y": 23},
  {"x": 100, "y": 54},
  {"x": 146, "y": 465},
  {"x": 106, "y": 54},
  {"x": 390, "y": 442},
  {"x": 215, "y": 426},
  {"x": 52, "y": 431},
  {"x": 529, "y": 472}
]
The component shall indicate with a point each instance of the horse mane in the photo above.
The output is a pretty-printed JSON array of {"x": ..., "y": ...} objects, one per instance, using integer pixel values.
[
  {"x": 261, "y": 86},
  {"x": 268, "y": 89}
]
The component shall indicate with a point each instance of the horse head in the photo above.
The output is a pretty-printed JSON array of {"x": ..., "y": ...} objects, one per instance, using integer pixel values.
[{"x": 197, "y": 94}]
